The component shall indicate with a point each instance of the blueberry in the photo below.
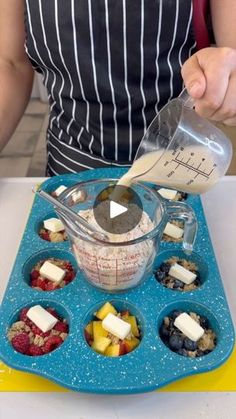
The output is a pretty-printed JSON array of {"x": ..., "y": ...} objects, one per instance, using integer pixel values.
[
  {"x": 175, "y": 314},
  {"x": 176, "y": 342},
  {"x": 164, "y": 331},
  {"x": 159, "y": 275},
  {"x": 204, "y": 322},
  {"x": 190, "y": 345},
  {"x": 178, "y": 284},
  {"x": 165, "y": 267},
  {"x": 182, "y": 352},
  {"x": 184, "y": 195}
]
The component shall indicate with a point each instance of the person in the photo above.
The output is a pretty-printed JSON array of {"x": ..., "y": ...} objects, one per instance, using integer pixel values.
[{"x": 109, "y": 66}]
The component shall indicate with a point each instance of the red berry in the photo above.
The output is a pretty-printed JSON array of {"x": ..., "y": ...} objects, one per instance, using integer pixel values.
[
  {"x": 52, "y": 343},
  {"x": 36, "y": 330},
  {"x": 45, "y": 236},
  {"x": 34, "y": 274},
  {"x": 69, "y": 276},
  {"x": 23, "y": 315},
  {"x": 35, "y": 350},
  {"x": 50, "y": 286},
  {"x": 68, "y": 266},
  {"x": 61, "y": 327},
  {"x": 21, "y": 343}
]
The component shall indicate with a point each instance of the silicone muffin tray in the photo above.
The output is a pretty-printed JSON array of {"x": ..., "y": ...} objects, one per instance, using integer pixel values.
[{"x": 152, "y": 364}]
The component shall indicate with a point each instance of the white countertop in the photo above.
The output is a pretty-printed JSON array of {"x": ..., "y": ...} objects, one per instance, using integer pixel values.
[{"x": 220, "y": 208}]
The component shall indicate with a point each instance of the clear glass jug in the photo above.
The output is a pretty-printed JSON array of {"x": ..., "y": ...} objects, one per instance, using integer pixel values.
[{"x": 124, "y": 261}]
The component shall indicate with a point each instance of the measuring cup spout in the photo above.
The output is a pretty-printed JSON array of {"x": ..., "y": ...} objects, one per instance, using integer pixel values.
[{"x": 184, "y": 212}]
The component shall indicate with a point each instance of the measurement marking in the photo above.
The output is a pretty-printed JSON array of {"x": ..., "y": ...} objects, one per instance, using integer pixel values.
[{"x": 200, "y": 172}]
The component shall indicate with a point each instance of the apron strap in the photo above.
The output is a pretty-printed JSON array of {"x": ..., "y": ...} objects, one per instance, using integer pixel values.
[{"x": 200, "y": 15}]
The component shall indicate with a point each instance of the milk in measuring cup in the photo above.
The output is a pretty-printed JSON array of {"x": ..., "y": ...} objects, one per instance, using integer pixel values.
[
  {"x": 188, "y": 170},
  {"x": 115, "y": 267}
]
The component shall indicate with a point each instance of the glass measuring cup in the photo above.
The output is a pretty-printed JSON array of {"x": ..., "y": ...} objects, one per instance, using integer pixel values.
[
  {"x": 123, "y": 260},
  {"x": 181, "y": 150}
]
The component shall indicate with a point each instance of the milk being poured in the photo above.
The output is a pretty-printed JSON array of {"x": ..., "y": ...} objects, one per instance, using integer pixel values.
[{"x": 159, "y": 167}]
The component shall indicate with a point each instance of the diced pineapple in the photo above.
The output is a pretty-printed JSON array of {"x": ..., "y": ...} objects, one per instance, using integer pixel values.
[
  {"x": 89, "y": 328},
  {"x": 131, "y": 344},
  {"x": 105, "y": 310},
  {"x": 133, "y": 322},
  {"x": 98, "y": 330},
  {"x": 113, "y": 350},
  {"x": 101, "y": 344}
]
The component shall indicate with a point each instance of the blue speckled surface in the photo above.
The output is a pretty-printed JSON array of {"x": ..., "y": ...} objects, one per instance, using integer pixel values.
[{"x": 74, "y": 364}]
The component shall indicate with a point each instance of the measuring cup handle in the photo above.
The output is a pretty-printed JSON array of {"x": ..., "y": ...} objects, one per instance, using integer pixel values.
[
  {"x": 186, "y": 99},
  {"x": 182, "y": 211}
]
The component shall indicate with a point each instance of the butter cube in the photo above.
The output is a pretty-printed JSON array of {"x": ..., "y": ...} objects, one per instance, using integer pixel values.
[
  {"x": 116, "y": 326},
  {"x": 173, "y": 231},
  {"x": 54, "y": 225},
  {"x": 42, "y": 318},
  {"x": 179, "y": 272},
  {"x": 167, "y": 193},
  {"x": 60, "y": 189},
  {"x": 189, "y": 327},
  {"x": 50, "y": 271}
]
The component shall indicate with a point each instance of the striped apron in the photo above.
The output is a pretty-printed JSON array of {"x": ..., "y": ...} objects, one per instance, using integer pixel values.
[{"x": 108, "y": 66}]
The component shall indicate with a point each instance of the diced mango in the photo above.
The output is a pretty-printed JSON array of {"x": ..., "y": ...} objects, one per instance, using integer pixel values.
[
  {"x": 113, "y": 350},
  {"x": 133, "y": 322},
  {"x": 98, "y": 330},
  {"x": 105, "y": 310},
  {"x": 101, "y": 344},
  {"x": 89, "y": 328},
  {"x": 131, "y": 344}
]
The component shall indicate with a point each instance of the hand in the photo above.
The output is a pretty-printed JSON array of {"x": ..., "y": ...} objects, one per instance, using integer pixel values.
[{"x": 210, "y": 78}]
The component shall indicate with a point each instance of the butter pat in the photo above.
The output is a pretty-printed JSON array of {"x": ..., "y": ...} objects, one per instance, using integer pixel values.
[
  {"x": 116, "y": 326},
  {"x": 54, "y": 225},
  {"x": 179, "y": 272},
  {"x": 44, "y": 320},
  {"x": 60, "y": 189},
  {"x": 173, "y": 231},
  {"x": 50, "y": 271},
  {"x": 167, "y": 193},
  {"x": 189, "y": 327}
]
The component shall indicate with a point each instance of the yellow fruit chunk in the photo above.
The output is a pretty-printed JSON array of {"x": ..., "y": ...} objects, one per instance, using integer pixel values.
[
  {"x": 98, "y": 330},
  {"x": 113, "y": 350},
  {"x": 89, "y": 328},
  {"x": 133, "y": 322},
  {"x": 131, "y": 344},
  {"x": 105, "y": 310},
  {"x": 101, "y": 344}
]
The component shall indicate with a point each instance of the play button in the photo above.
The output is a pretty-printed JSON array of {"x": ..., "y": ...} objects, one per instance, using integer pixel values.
[{"x": 118, "y": 209}]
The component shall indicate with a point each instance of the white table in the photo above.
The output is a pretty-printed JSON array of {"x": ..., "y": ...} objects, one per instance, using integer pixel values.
[{"x": 220, "y": 208}]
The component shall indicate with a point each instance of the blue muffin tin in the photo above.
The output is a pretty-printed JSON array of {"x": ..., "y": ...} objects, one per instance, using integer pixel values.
[{"x": 152, "y": 364}]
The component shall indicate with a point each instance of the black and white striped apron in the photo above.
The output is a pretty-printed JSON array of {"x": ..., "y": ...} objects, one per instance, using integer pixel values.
[{"x": 108, "y": 66}]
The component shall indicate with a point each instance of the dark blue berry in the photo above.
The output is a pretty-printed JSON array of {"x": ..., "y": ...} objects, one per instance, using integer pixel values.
[
  {"x": 165, "y": 267},
  {"x": 204, "y": 322},
  {"x": 160, "y": 275},
  {"x": 175, "y": 314},
  {"x": 190, "y": 345},
  {"x": 182, "y": 352},
  {"x": 184, "y": 195},
  {"x": 178, "y": 284},
  {"x": 176, "y": 342},
  {"x": 164, "y": 331}
]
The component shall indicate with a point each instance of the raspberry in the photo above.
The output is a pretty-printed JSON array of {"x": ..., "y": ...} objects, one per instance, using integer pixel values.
[
  {"x": 68, "y": 266},
  {"x": 23, "y": 315},
  {"x": 45, "y": 236},
  {"x": 50, "y": 286},
  {"x": 21, "y": 343},
  {"x": 52, "y": 343},
  {"x": 61, "y": 327},
  {"x": 69, "y": 276},
  {"x": 34, "y": 274},
  {"x": 36, "y": 330},
  {"x": 35, "y": 350}
]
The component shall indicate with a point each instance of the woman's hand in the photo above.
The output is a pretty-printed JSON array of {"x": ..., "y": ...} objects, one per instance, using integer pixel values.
[{"x": 210, "y": 78}]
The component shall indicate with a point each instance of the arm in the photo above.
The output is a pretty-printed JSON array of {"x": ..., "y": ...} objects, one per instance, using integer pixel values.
[
  {"x": 16, "y": 73},
  {"x": 210, "y": 74}
]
